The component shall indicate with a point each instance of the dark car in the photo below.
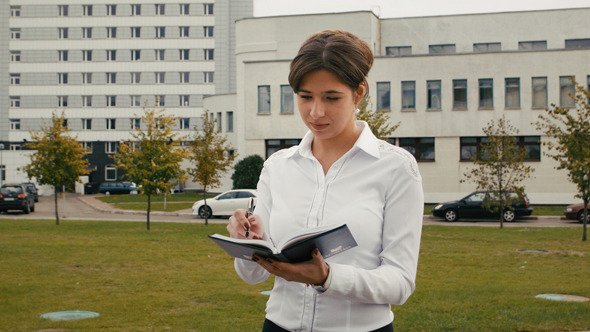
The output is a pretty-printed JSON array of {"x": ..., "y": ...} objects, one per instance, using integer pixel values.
[
  {"x": 118, "y": 187},
  {"x": 32, "y": 189},
  {"x": 576, "y": 212},
  {"x": 471, "y": 206},
  {"x": 15, "y": 197}
]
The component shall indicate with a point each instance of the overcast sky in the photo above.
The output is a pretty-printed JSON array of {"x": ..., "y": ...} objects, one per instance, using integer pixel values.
[{"x": 407, "y": 8}]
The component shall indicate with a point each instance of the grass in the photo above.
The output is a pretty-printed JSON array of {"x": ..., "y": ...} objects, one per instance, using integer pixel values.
[{"x": 174, "y": 278}]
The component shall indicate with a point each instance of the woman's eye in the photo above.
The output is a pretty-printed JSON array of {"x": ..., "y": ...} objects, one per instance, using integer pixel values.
[
  {"x": 304, "y": 96},
  {"x": 333, "y": 98}
]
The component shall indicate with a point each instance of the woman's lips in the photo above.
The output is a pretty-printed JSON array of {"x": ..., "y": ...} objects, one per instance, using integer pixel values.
[{"x": 318, "y": 126}]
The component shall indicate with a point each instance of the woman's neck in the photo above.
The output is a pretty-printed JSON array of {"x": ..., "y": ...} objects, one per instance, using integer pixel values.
[{"x": 328, "y": 151}]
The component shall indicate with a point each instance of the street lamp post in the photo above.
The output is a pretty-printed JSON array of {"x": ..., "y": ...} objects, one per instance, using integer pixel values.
[{"x": 2, "y": 167}]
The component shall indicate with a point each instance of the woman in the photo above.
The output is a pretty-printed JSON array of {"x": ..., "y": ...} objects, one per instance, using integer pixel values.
[{"x": 340, "y": 173}]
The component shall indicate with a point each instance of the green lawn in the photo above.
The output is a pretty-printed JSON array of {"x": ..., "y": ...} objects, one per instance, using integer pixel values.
[{"x": 174, "y": 278}]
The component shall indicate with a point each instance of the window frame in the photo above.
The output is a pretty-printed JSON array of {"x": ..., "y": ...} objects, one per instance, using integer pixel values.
[
  {"x": 287, "y": 99},
  {"x": 416, "y": 145},
  {"x": 511, "y": 86},
  {"x": 566, "y": 86},
  {"x": 460, "y": 96},
  {"x": 264, "y": 94},
  {"x": 484, "y": 90},
  {"x": 432, "y": 94},
  {"x": 535, "y": 92},
  {"x": 383, "y": 96},
  {"x": 407, "y": 93}
]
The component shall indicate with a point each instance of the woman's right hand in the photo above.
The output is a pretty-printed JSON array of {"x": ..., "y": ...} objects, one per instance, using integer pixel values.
[{"x": 239, "y": 223}]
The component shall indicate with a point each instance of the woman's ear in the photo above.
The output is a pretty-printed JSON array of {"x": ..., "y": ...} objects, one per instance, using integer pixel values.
[{"x": 360, "y": 92}]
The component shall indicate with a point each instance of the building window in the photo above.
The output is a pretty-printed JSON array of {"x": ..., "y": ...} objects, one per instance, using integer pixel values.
[
  {"x": 62, "y": 55},
  {"x": 135, "y": 78},
  {"x": 207, "y": 32},
  {"x": 539, "y": 86},
  {"x": 441, "y": 49},
  {"x": 487, "y": 47},
  {"x": 160, "y": 77},
  {"x": 15, "y": 147},
  {"x": 14, "y": 124},
  {"x": 184, "y": 55},
  {"x": 135, "y": 101},
  {"x": 86, "y": 33},
  {"x": 160, "y": 100},
  {"x": 14, "y": 101},
  {"x": 218, "y": 121},
  {"x": 230, "y": 121},
  {"x": 111, "y": 78},
  {"x": 208, "y": 77},
  {"x": 532, "y": 45},
  {"x": 512, "y": 94},
  {"x": 408, "y": 95},
  {"x": 287, "y": 102},
  {"x": 208, "y": 54},
  {"x": 398, "y": 50},
  {"x": 183, "y": 32},
  {"x": 434, "y": 94},
  {"x": 160, "y": 32},
  {"x": 263, "y": 99},
  {"x": 111, "y": 10},
  {"x": 62, "y": 101},
  {"x": 459, "y": 94},
  {"x": 63, "y": 10},
  {"x": 135, "y": 55},
  {"x": 532, "y": 146},
  {"x": 14, "y": 79},
  {"x": 577, "y": 43},
  {"x": 111, "y": 124},
  {"x": 87, "y": 10},
  {"x": 184, "y": 77},
  {"x": 86, "y": 101},
  {"x": 422, "y": 148},
  {"x": 2, "y": 168},
  {"x": 111, "y": 55},
  {"x": 183, "y": 100},
  {"x": 86, "y": 124},
  {"x": 15, "y": 33},
  {"x": 86, "y": 78},
  {"x": 184, "y": 9},
  {"x": 383, "y": 96},
  {"x": 471, "y": 147},
  {"x": 160, "y": 55},
  {"x": 86, "y": 55},
  {"x": 184, "y": 123},
  {"x": 567, "y": 90},
  {"x": 274, "y": 145},
  {"x": 87, "y": 146},
  {"x": 111, "y": 147},
  {"x": 111, "y": 32},
  {"x": 135, "y": 123},
  {"x": 160, "y": 9},
  {"x": 62, "y": 33},
  {"x": 486, "y": 93},
  {"x": 15, "y": 11},
  {"x": 110, "y": 172},
  {"x": 208, "y": 8},
  {"x": 135, "y": 32},
  {"x": 135, "y": 10},
  {"x": 111, "y": 101}
]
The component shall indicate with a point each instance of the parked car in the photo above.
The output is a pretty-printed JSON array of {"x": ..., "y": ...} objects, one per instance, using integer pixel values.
[
  {"x": 118, "y": 187},
  {"x": 91, "y": 188},
  {"x": 16, "y": 197},
  {"x": 576, "y": 212},
  {"x": 471, "y": 206},
  {"x": 224, "y": 204},
  {"x": 32, "y": 189}
]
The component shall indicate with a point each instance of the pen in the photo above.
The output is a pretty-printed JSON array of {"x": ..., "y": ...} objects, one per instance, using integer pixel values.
[{"x": 249, "y": 213}]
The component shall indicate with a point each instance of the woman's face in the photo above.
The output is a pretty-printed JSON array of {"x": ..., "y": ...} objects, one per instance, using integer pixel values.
[{"x": 327, "y": 105}]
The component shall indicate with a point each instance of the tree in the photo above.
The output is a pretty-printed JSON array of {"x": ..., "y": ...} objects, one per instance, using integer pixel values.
[
  {"x": 499, "y": 168},
  {"x": 377, "y": 120},
  {"x": 247, "y": 172},
  {"x": 569, "y": 129},
  {"x": 209, "y": 152},
  {"x": 59, "y": 159},
  {"x": 152, "y": 158}
]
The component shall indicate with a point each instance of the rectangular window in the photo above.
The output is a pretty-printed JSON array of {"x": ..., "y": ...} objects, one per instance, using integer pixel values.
[
  {"x": 15, "y": 56},
  {"x": 230, "y": 121},
  {"x": 160, "y": 100},
  {"x": 459, "y": 94},
  {"x": 421, "y": 148},
  {"x": 434, "y": 94},
  {"x": 160, "y": 77},
  {"x": 15, "y": 33},
  {"x": 110, "y": 172},
  {"x": 532, "y": 146},
  {"x": 383, "y": 96},
  {"x": 160, "y": 32},
  {"x": 408, "y": 95},
  {"x": 208, "y": 54},
  {"x": 15, "y": 11},
  {"x": 183, "y": 100},
  {"x": 184, "y": 9},
  {"x": 135, "y": 78},
  {"x": 86, "y": 33},
  {"x": 111, "y": 78},
  {"x": 287, "y": 102},
  {"x": 441, "y": 49},
  {"x": 207, "y": 32},
  {"x": 183, "y": 32},
  {"x": 263, "y": 99},
  {"x": 577, "y": 43},
  {"x": 135, "y": 123},
  {"x": 274, "y": 145},
  {"x": 14, "y": 101},
  {"x": 208, "y": 77},
  {"x": 16, "y": 147},
  {"x": 135, "y": 55},
  {"x": 184, "y": 77},
  {"x": 539, "y": 86},
  {"x": 87, "y": 146},
  {"x": 2, "y": 167},
  {"x": 160, "y": 55},
  {"x": 135, "y": 101},
  {"x": 567, "y": 90},
  {"x": 532, "y": 45},
  {"x": 471, "y": 147},
  {"x": 14, "y": 79},
  {"x": 86, "y": 124},
  {"x": 111, "y": 101},
  {"x": 87, "y": 10},
  {"x": 135, "y": 10},
  {"x": 86, "y": 101},
  {"x": 62, "y": 33},
  {"x": 185, "y": 123},
  {"x": 62, "y": 101},
  {"x": 111, "y": 32},
  {"x": 398, "y": 50},
  {"x": 111, "y": 10},
  {"x": 218, "y": 121},
  {"x": 160, "y": 9},
  {"x": 486, "y": 93},
  {"x": 14, "y": 124},
  {"x": 62, "y": 55},
  {"x": 62, "y": 78},
  {"x": 135, "y": 32},
  {"x": 487, "y": 47},
  {"x": 512, "y": 93},
  {"x": 184, "y": 55},
  {"x": 63, "y": 10},
  {"x": 86, "y": 78},
  {"x": 111, "y": 124},
  {"x": 111, "y": 147},
  {"x": 87, "y": 55},
  {"x": 208, "y": 8},
  {"x": 111, "y": 55}
]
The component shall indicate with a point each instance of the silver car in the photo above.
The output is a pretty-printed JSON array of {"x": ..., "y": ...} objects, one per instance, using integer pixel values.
[{"x": 224, "y": 204}]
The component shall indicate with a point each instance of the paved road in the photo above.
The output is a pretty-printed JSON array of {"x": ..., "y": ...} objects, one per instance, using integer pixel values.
[{"x": 80, "y": 207}]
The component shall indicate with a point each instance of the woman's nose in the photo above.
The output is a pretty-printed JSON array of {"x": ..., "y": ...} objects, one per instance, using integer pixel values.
[{"x": 317, "y": 110}]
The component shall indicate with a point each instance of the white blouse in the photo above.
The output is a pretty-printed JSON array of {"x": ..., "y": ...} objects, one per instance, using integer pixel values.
[{"x": 376, "y": 189}]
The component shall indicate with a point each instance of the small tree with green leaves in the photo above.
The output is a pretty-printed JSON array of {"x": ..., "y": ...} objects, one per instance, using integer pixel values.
[
  {"x": 569, "y": 131},
  {"x": 209, "y": 153},
  {"x": 247, "y": 172},
  {"x": 152, "y": 158},
  {"x": 499, "y": 169},
  {"x": 378, "y": 120},
  {"x": 59, "y": 157}
]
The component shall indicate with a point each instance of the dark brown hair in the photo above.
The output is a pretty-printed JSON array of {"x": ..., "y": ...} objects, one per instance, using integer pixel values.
[{"x": 340, "y": 52}]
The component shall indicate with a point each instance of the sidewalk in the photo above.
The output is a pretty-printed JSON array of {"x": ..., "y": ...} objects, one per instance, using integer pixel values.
[{"x": 101, "y": 206}]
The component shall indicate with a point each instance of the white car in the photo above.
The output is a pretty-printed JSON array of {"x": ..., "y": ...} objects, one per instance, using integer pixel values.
[{"x": 224, "y": 204}]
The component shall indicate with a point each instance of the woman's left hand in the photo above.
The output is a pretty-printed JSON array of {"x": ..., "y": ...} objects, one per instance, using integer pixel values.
[{"x": 312, "y": 272}]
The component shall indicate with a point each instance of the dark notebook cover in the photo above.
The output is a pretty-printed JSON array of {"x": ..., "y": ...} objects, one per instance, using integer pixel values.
[{"x": 330, "y": 240}]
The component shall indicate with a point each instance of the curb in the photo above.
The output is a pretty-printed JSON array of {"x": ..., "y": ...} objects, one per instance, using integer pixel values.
[{"x": 121, "y": 211}]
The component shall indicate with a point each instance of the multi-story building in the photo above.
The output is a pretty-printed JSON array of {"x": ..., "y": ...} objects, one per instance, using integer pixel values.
[
  {"x": 443, "y": 77},
  {"x": 101, "y": 62}
]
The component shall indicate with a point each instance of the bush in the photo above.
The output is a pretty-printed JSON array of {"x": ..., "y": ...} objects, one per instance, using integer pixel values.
[{"x": 246, "y": 172}]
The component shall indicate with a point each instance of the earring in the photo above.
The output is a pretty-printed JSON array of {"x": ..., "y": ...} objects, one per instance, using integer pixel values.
[{"x": 357, "y": 111}]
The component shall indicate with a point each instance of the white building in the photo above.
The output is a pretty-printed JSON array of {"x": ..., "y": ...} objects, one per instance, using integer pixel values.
[{"x": 443, "y": 77}]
